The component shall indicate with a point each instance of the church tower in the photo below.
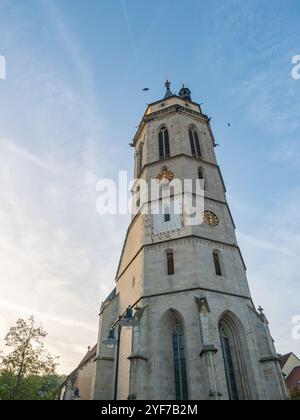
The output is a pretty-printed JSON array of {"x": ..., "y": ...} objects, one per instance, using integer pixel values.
[{"x": 195, "y": 332}]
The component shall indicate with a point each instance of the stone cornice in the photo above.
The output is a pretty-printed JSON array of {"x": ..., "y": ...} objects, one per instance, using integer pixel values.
[
  {"x": 105, "y": 359},
  {"x": 208, "y": 349},
  {"x": 138, "y": 357},
  {"x": 192, "y": 289},
  {"x": 269, "y": 359},
  {"x": 235, "y": 246},
  {"x": 174, "y": 109},
  {"x": 167, "y": 110},
  {"x": 147, "y": 203}
]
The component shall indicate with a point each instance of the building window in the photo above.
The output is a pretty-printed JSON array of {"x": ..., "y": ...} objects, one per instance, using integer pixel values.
[
  {"x": 181, "y": 384},
  {"x": 167, "y": 215},
  {"x": 138, "y": 195},
  {"x": 217, "y": 263},
  {"x": 195, "y": 144},
  {"x": 229, "y": 365},
  {"x": 140, "y": 159},
  {"x": 201, "y": 176},
  {"x": 164, "y": 144},
  {"x": 170, "y": 263},
  {"x": 76, "y": 393}
]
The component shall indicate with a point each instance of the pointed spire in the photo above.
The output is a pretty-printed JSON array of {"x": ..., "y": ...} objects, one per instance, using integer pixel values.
[{"x": 169, "y": 93}]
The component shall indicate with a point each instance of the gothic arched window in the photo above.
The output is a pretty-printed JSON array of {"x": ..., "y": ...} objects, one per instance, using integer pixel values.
[
  {"x": 164, "y": 143},
  {"x": 181, "y": 383},
  {"x": 200, "y": 173},
  {"x": 195, "y": 143},
  {"x": 170, "y": 263},
  {"x": 217, "y": 263},
  {"x": 138, "y": 197},
  {"x": 201, "y": 176},
  {"x": 140, "y": 159},
  {"x": 228, "y": 363}
]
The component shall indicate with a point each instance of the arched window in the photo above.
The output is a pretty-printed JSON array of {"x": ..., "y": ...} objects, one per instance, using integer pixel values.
[
  {"x": 201, "y": 176},
  {"x": 200, "y": 173},
  {"x": 181, "y": 384},
  {"x": 234, "y": 347},
  {"x": 217, "y": 263},
  {"x": 195, "y": 144},
  {"x": 170, "y": 263},
  {"x": 140, "y": 159},
  {"x": 138, "y": 197},
  {"x": 228, "y": 363},
  {"x": 164, "y": 143}
]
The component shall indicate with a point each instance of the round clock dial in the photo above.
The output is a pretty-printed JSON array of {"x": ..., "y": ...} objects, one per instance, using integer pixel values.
[{"x": 211, "y": 219}]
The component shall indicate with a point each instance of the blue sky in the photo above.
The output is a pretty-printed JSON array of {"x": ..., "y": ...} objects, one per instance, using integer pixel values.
[{"x": 68, "y": 109}]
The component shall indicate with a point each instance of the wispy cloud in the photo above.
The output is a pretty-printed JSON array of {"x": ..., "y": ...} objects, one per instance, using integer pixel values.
[
  {"x": 58, "y": 258},
  {"x": 28, "y": 156},
  {"x": 130, "y": 32},
  {"x": 44, "y": 316},
  {"x": 271, "y": 251},
  {"x": 54, "y": 262}
]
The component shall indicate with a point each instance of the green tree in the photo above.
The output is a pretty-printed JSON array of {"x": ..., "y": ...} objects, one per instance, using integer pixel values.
[
  {"x": 28, "y": 368},
  {"x": 295, "y": 394}
]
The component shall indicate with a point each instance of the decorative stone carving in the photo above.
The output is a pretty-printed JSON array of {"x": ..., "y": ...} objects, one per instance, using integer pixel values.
[
  {"x": 211, "y": 219},
  {"x": 165, "y": 177},
  {"x": 202, "y": 305}
]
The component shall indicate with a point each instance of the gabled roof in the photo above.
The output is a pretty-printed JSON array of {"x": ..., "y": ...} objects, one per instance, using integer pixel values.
[
  {"x": 284, "y": 359},
  {"x": 91, "y": 353}
]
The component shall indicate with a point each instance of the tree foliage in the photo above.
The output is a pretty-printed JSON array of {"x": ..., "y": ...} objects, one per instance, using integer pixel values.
[
  {"x": 295, "y": 394},
  {"x": 28, "y": 370}
]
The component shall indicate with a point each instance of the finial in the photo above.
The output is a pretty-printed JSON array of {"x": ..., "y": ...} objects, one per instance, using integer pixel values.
[
  {"x": 261, "y": 310},
  {"x": 168, "y": 85}
]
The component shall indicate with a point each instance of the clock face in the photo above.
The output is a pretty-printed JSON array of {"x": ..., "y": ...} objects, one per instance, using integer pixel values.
[{"x": 211, "y": 219}]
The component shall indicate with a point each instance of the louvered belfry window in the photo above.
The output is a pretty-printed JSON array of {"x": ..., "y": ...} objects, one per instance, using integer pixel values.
[{"x": 164, "y": 143}]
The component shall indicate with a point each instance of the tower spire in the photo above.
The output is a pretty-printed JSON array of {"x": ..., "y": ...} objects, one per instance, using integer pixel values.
[{"x": 169, "y": 93}]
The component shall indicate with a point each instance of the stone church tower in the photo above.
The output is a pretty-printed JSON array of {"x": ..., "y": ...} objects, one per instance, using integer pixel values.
[{"x": 196, "y": 333}]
